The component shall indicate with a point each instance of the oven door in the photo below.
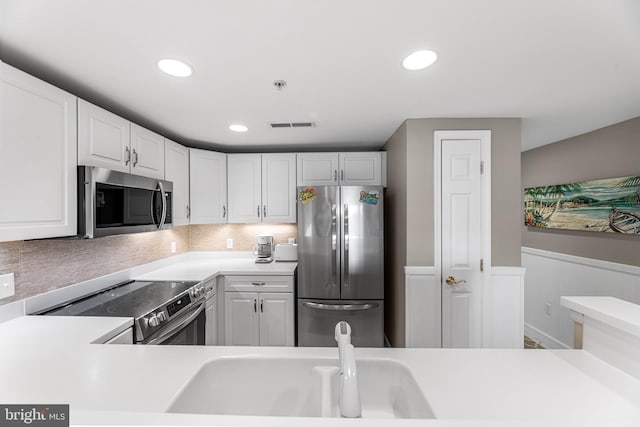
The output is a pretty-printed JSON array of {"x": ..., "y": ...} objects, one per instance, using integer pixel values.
[{"x": 187, "y": 329}]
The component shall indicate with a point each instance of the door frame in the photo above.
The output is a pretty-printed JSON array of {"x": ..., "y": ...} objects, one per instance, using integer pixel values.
[{"x": 485, "y": 202}]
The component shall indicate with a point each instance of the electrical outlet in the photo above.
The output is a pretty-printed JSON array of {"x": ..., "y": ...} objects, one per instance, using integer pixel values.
[
  {"x": 229, "y": 243},
  {"x": 7, "y": 285},
  {"x": 174, "y": 247},
  {"x": 547, "y": 309}
]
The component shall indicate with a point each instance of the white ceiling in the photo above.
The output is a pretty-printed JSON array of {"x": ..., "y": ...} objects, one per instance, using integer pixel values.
[{"x": 566, "y": 67}]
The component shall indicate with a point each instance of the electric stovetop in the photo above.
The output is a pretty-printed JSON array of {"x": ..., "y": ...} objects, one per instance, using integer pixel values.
[{"x": 130, "y": 299}]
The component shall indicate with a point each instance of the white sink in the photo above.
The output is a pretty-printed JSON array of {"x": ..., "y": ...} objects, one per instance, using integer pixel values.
[{"x": 298, "y": 388}]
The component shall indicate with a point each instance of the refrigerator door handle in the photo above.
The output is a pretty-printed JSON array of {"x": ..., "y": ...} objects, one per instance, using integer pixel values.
[
  {"x": 341, "y": 307},
  {"x": 334, "y": 244},
  {"x": 345, "y": 280}
]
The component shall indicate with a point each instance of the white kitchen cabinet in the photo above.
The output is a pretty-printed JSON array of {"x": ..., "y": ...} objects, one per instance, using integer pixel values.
[
  {"x": 279, "y": 188},
  {"x": 317, "y": 169},
  {"x": 109, "y": 141},
  {"x": 264, "y": 316},
  {"x": 276, "y": 318},
  {"x": 103, "y": 138},
  {"x": 244, "y": 185},
  {"x": 363, "y": 168},
  {"x": 241, "y": 321},
  {"x": 38, "y": 158},
  {"x": 207, "y": 186},
  {"x": 262, "y": 188},
  {"x": 211, "y": 325},
  {"x": 176, "y": 170},
  {"x": 147, "y": 152}
]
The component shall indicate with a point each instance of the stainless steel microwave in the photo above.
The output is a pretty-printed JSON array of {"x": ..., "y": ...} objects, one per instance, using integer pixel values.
[{"x": 111, "y": 202}]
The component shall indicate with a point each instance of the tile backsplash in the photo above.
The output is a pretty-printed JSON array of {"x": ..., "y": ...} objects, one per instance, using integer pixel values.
[{"x": 44, "y": 265}]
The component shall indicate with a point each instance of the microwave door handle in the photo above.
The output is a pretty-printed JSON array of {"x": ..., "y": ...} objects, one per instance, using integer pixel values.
[
  {"x": 164, "y": 205},
  {"x": 178, "y": 327}
]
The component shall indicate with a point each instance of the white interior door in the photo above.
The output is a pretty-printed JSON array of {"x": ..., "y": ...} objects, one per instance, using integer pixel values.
[{"x": 462, "y": 239}]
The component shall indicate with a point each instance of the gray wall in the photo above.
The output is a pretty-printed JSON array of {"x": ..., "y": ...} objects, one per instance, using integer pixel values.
[
  {"x": 609, "y": 152},
  {"x": 395, "y": 204},
  {"x": 410, "y": 217},
  {"x": 505, "y": 187}
]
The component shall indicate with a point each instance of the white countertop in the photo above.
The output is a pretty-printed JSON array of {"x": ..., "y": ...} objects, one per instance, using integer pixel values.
[
  {"x": 615, "y": 312},
  {"x": 207, "y": 268},
  {"x": 48, "y": 359}
]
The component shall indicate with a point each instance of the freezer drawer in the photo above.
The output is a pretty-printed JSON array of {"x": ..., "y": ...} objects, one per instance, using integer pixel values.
[{"x": 317, "y": 320}]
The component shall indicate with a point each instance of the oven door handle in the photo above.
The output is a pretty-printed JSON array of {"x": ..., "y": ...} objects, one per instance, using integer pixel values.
[
  {"x": 164, "y": 205},
  {"x": 179, "y": 326}
]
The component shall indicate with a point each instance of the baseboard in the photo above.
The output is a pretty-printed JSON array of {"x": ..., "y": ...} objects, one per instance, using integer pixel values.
[{"x": 546, "y": 340}]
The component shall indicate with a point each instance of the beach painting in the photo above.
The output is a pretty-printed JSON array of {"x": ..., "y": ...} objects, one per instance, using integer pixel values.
[{"x": 605, "y": 205}]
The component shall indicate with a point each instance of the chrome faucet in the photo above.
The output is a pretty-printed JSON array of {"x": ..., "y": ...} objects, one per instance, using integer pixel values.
[{"x": 350, "y": 406}]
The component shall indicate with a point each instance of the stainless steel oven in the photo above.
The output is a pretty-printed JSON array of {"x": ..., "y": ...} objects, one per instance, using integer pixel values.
[{"x": 186, "y": 329}]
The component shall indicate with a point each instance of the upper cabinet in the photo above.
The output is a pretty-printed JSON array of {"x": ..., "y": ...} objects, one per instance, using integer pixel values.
[
  {"x": 262, "y": 187},
  {"x": 176, "y": 170},
  {"x": 208, "y": 186},
  {"x": 37, "y": 158},
  {"x": 109, "y": 141},
  {"x": 147, "y": 152},
  {"x": 364, "y": 168}
]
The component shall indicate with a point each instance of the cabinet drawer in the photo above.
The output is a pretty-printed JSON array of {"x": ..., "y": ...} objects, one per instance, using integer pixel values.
[{"x": 258, "y": 283}]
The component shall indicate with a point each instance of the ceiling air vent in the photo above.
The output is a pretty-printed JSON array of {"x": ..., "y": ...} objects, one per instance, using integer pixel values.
[{"x": 294, "y": 125}]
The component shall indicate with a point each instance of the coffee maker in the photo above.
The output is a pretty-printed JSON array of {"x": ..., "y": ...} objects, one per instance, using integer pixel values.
[{"x": 264, "y": 248}]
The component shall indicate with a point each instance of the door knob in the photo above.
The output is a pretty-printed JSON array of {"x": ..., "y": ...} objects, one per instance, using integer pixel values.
[{"x": 452, "y": 281}]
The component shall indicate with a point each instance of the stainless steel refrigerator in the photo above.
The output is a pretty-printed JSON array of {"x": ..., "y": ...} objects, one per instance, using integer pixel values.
[{"x": 340, "y": 264}]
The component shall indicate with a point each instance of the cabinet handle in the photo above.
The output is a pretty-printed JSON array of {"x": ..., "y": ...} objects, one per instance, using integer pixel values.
[
  {"x": 135, "y": 157},
  {"x": 188, "y": 212},
  {"x": 224, "y": 211},
  {"x": 335, "y": 175},
  {"x": 255, "y": 306},
  {"x": 258, "y": 211},
  {"x": 258, "y": 283},
  {"x": 341, "y": 174},
  {"x": 128, "y": 158},
  {"x": 264, "y": 211},
  {"x": 261, "y": 307}
]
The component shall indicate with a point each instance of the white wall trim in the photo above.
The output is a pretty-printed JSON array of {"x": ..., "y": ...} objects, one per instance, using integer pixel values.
[
  {"x": 546, "y": 340},
  {"x": 591, "y": 262},
  {"x": 419, "y": 270},
  {"x": 503, "y": 312}
]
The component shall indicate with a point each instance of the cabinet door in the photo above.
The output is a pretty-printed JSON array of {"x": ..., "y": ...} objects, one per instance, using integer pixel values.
[
  {"x": 361, "y": 168},
  {"x": 147, "y": 152},
  {"x": 103, "y": 138},
  {"x": 279, "y": 187},
  {"x": 244, "y": 178},
  {"x": 211, "y": 325},
  {"x": 176, "y": 170},
  {"x": 276, "y": 319},
  {"x": 207, "y": 187},
  {"x": 38, "y": 158},
  {"x": 317, "y": 169},
  {"x": 241, "y": 321}
]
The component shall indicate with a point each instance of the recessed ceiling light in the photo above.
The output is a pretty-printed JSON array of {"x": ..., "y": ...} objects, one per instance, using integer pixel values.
[
  {"x": 419, "y": 60},
  {"x": 174, "y": 67},
  {"x": 238, "y": 128}
]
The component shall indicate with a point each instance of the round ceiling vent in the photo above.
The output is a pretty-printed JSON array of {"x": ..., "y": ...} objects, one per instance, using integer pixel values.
[{"x": 280, "y": 84}]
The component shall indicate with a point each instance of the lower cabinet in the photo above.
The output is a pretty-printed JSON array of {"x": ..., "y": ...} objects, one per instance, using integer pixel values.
[
  {"x": 259, "y": 317},
  {"x": 211, "y": 325}
]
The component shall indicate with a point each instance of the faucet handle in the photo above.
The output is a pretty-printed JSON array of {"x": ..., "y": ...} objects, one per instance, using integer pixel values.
[{"x": 343, "y": 333}]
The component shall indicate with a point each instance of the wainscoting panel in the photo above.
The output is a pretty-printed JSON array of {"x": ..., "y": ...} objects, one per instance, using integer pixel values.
[
  {"x": 422, "y": 308},
  {"x": 505, "y": 315},
  {"x": 551, "y": 275}
]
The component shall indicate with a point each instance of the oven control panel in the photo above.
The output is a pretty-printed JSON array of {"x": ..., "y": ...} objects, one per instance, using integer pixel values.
[{"x": 178, "y": 305}]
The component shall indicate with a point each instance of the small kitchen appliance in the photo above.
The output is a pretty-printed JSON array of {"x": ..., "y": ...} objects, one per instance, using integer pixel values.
[
  {"x": 264, "y": 248},
  {"x": 286, "y": 252}
]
